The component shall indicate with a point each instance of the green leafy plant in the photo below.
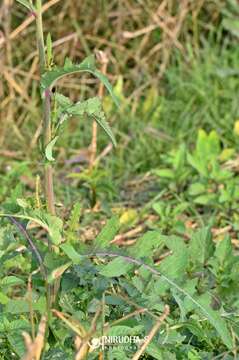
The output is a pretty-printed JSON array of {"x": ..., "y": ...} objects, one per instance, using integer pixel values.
[{"x": 52, "y": 280}]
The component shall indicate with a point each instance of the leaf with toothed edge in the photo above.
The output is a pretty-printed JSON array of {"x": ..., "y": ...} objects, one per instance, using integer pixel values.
[
  {"x": 91, "y": 107},
  {"x": 88, "y": 65}
]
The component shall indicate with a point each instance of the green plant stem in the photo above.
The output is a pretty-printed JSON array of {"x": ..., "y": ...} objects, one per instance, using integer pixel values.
[
  {"x": 49, "y": 190},
  {"x": 48, "y": 171}
]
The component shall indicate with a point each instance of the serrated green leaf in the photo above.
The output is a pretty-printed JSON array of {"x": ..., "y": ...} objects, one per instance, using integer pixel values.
[
  {"x": 13, "y": 325},
  {"x": 63, "y": 100},
  {"x": 92, "y": 108},
  {"x": 49, "y": 149},
  {"x": 108, "y": 233},
  {"x": 17, "y": 342},
  {"x": 104, "y": 125},
  {"x": 50, "y": 77}
]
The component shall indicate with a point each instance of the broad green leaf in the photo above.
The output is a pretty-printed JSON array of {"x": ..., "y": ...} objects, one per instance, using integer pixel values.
[
  {"x": 175, "y": 265},
  {"x": 196, "y": 189},
  {"x": 71, "y": 253},
  {"x": 201, "y": 145},
  {"x": 216, "y": 320},
  {"x": 13, "y": 325},
  {"x": 17, "y": 342},
  {"x": 214, "y": 147},
  {"x": 206, "y": 199},
  {"x": 50, "y": 77},
  {"x": 108, "y": 233},
  {"x": 198, "y": 164},
  {"x": 11, "y": 281},
  {"x": 201, "y": 246},
  {"x": 116, "y": 267},
  {"x": 3, "y": 298},
  {"x": 49, "y": 149},
  {"x": 22, "y": 306},
  {"x": 224, "y": 250},
  {"x": 180, "y": 158},
  {"x": 165, "y": 173},
  {"x": 147, "y": 243},
  {"x": 27, "y": 4},
  {"x": 53, "y": 224}
]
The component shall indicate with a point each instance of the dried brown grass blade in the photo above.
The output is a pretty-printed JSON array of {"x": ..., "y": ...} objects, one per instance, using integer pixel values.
[
  {"x": 152, "y": 333},
  {"x": 35, "y": 347}
]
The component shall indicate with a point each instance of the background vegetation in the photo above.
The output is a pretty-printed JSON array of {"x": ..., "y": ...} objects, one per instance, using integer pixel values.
[{"x": 172, "y": 180}]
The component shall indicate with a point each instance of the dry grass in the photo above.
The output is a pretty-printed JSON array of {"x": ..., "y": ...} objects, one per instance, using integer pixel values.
[{"x": 138, "y": 36}]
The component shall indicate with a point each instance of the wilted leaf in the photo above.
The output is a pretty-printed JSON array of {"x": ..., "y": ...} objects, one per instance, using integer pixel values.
[{"x": 56, "y": 273}]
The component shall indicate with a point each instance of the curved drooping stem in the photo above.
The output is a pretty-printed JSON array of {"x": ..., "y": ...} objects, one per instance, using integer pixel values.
[{"x": 48, "y": 183}]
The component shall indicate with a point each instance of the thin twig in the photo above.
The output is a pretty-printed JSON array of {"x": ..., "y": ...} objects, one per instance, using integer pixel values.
[
  {"x": 35, "y": 347},
  {"x": 27, "y": 22},
  {"x": 24, "y": 232},
  {"x": 152, "y": 333}
]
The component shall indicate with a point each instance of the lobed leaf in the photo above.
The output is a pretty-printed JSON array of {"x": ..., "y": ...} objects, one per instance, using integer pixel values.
[{"x": 88, "y": 65}]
